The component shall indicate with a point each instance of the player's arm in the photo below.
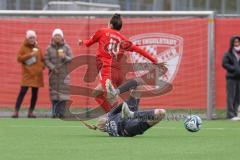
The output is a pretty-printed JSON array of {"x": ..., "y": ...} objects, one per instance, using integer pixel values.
[
  {"x": 92, "y": 40},
  {"x": 129, "y": 46},
  {"x": 144, "y": 53}
]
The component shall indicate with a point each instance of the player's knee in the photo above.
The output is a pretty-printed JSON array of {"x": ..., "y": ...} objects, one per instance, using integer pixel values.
[{"x": 160, "y": 113}]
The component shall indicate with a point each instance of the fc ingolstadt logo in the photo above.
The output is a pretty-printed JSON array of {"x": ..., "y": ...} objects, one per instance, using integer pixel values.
[{"x": 165, "y": 47}]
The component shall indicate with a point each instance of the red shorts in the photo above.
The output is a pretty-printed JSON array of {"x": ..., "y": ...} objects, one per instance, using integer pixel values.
[
  {"x": 115, "y": 76},
  {"x": 112, "y": 72}
]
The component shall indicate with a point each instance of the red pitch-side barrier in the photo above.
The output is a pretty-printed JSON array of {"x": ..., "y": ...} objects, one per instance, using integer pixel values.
[{"x": 188, "y": 67}]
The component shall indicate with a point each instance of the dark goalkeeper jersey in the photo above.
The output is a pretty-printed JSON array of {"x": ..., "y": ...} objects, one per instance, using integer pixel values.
[{"x": 114, "y": 125}]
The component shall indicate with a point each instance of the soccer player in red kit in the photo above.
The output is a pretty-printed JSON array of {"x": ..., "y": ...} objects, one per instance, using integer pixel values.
[{"x": 111, "y": 47}]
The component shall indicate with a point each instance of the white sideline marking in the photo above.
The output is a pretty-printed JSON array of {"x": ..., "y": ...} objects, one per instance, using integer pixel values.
[{"x": 80, "y": 126}]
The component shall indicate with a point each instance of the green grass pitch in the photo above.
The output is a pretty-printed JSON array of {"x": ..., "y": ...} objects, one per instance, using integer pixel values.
[{"x": 53, "y": 139}]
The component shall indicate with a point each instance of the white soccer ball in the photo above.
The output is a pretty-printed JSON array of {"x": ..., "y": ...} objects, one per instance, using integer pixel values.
[{"x": 193, "y": 123}]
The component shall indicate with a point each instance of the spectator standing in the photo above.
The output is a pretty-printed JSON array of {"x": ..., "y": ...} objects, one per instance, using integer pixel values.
[
  {"x": 231, "y": 63},
  {"x": 57, "y": 56},
  {"x": 31, "y": 59}
]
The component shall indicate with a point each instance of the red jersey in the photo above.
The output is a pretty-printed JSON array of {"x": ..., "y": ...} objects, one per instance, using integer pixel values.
[{"x": 112, "y": 45}]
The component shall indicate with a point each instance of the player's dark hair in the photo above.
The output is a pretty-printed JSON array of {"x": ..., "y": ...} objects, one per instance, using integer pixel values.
[{"x": 116, "y": 22}]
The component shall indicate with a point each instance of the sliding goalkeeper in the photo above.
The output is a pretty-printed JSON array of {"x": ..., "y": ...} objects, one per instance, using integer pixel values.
[{"x": 125, "y": 120}]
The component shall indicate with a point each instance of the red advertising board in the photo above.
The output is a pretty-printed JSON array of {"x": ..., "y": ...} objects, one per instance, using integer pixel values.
[{"x": 181, "y": 42}]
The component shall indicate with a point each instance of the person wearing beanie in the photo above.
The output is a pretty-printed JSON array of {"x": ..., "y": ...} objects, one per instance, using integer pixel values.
[
  {"x": 31, "y": 59},
  {"x": 57, "y": 57},
  {"x": 57, "y": 32}
]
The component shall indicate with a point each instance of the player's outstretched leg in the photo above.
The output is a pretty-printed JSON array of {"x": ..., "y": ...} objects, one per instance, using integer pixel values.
[{"x": 130, "y": 84}]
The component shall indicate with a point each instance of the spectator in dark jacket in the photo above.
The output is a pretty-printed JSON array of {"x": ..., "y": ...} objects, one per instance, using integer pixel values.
[
  {"x": 58, "y": 54},
  {"x": 231, "y": 62}
]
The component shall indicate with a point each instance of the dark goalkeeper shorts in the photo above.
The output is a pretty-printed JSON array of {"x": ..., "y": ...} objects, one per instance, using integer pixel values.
[{"x": 135, "y": 127}]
